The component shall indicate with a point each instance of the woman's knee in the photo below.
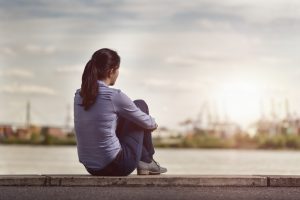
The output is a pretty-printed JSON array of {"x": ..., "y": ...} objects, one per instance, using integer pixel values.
[{"x": 142, "y": 105}]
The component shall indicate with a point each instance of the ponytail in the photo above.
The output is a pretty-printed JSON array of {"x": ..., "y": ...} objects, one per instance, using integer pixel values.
[
  {"x": 89, "y": 85},
  {"x": 96, "y": 68}
]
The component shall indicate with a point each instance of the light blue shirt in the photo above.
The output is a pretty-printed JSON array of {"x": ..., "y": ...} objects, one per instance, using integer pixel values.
[{"x": 95, "y": 129}]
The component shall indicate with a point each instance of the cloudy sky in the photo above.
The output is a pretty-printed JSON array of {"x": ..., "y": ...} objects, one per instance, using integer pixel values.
[{"x": 229, "y": 57}]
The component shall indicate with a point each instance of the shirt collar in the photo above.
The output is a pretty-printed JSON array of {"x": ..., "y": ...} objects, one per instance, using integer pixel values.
[{"x": 102, "y": 83}]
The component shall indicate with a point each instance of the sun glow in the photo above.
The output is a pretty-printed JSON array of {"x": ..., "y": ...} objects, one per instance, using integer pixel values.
[{"x": 240, "y": 101}]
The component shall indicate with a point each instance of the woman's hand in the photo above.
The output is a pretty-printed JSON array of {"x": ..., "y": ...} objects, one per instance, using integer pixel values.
[{"x": 154, "y": 128}]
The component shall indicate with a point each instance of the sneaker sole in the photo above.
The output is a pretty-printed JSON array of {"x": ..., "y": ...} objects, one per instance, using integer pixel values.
[{"x": 147, "y": 172}]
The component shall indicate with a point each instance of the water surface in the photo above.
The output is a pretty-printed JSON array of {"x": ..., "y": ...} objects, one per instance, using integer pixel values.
[{"x": 23, "y": 159}]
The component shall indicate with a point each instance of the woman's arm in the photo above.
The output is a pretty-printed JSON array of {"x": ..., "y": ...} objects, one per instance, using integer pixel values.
[{"x": 124, "y": 106}]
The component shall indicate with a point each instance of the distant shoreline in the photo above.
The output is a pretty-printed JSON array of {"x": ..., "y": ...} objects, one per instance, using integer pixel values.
[{"x": 237, "y": 142}]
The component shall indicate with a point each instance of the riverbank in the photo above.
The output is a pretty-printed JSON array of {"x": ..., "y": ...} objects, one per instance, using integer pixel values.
[{"x": 201, "y": 141}]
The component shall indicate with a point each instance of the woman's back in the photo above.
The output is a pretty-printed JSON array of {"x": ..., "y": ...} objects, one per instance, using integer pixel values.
[{"x": 97, "y": 143}]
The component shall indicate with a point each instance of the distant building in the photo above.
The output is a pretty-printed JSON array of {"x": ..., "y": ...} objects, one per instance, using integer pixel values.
[
  {"x": 6, "y": 131},
  {"x": 53, "y": 131},
  {"x": 34, "y": 129},
  {"x": 26, "y": 132},
  {"x": 219, "y": 129},
  {"x": 226, "y": 129},
  {"x": 163, "y": 132},
  {"x": 284, "y": 126},
  {"x": 23, "y": 133}
]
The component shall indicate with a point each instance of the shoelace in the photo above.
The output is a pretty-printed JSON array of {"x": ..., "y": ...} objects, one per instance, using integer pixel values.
[{"x": 156, "y": 163}]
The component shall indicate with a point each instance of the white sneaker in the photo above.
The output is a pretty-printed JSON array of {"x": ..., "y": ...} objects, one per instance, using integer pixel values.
[{"x": 152, "y": 168}]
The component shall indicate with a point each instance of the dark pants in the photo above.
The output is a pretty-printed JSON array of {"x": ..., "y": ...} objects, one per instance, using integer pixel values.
[{"x": 136, "y": 143}]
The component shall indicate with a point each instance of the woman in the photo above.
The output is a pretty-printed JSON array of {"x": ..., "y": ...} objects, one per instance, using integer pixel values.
[{"x": 113, "y": 132}]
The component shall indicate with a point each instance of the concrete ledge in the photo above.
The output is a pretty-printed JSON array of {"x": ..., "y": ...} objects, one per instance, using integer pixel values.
[
  {"x": 134, "y": 180},
  {"x": 167, "y": 187},
  {"x": 286, "y": 181},
  {"x": 22, "y": 180},
  {"x": 155, "y": 180}
]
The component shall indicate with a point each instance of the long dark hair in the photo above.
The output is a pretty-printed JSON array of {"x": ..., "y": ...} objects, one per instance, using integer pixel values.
[{"x": 97, "y": 68}]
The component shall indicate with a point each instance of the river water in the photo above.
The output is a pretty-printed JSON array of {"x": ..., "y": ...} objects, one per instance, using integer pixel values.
[{"x": 24, "y": 159}]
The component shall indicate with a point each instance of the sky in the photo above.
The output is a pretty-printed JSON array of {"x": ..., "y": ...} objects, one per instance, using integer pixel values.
[{"x": 233, "y": 59}]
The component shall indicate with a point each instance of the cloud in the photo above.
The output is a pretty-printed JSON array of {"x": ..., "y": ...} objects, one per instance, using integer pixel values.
[
  {"x": 69, "y": 69},
  {"x": 38, "y": 49},
  {"x": 176, "y": 85},
  {"x": 157, "y": 82},
  {"x": 141, "y": 13},
  {"x": 185, "y": 61},
  {"x": 26, "y": 89},
  {"x": 12, "y": 49},
  {"x": 20, "y": 73},
  {"x": 209, "y": 60},
  {"x": 7, "y": 51},
  {"x": 78, "y": 69}
]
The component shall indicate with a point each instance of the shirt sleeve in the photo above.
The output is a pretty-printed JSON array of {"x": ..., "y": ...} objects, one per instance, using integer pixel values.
[{"x": 126, "y": 108}]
